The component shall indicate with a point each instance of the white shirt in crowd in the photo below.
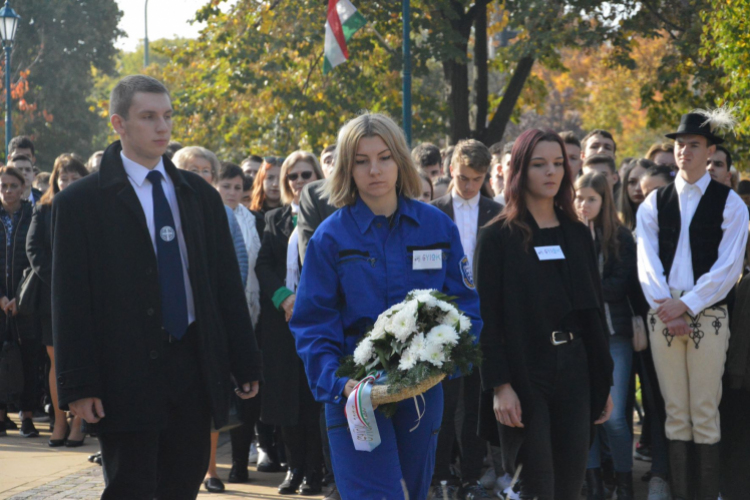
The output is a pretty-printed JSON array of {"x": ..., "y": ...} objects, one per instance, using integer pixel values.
[
  {"x": 143, "y": 189},
  {"x": 712, "y": 286},
  {"x": 466, "y": 215}
]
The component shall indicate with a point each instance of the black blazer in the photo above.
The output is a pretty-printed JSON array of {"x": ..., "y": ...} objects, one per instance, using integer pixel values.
[
  {"x": 515, "y": 299},
  {"x": 281, "y": 364},
  {"x": 488, "y": 209},
  {"x": 39, "y": 251},
  {"x": 313, "y": 210},
  {"x": 106, "y": 306}
]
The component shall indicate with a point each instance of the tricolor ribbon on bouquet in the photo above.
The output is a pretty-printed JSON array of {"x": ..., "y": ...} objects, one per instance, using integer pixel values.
[{"x": 361, "y": 415}]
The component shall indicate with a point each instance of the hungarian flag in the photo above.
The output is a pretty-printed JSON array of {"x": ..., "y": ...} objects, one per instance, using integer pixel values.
[{"x": 342, "y": 22}]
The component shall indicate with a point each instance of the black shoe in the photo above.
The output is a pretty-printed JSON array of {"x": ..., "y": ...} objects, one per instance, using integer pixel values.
[
  {"x": 594, "y": 485},
  {"x": 214, "y": 485},
  {"x": 291, "y": 483},
  {"x": 10, "y": 425},
  {"x": 624, "y": 488},
  {"x": 74, "y": 444},
  {"x": 27, "y": 429},
  {"x": 311, "y": 485},
  {"x": 3, "y": 432},
  {"x": 708, "y": 470},
  {"x": 239, "y": 474}
]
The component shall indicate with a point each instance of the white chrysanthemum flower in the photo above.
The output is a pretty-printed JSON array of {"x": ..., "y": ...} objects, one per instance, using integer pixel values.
[
  {"x": 378, "y": 330},
  {"x": 415, "y": 293},
  {"x": 404, "y": 322},
  {"x": 433, "y": 353},
  {"x": 442, "y": 335},
  {"x": 451, "y": 318},
  {"x": 394, "y": 309},
  {"x": 364, "y": 352},
  {"x": 418, "y": 344},
  {"x": 445, "y": 306},
  {"x": 408, "y": 359},
  {"x": 465, "y": 323}
]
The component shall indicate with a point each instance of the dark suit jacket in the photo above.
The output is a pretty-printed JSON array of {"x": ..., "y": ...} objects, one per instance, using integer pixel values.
[
  {"x": 39, "y": 251},
  {"x": 488, "y": 209},
  {"x": 106, "y": 306},
  {"x": 313, "y": 209}
]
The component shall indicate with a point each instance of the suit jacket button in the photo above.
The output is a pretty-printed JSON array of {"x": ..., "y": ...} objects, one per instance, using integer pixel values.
[
  {"x": 150, "y": 311},
  {"x": 61, "y": 380},
  {"x": 154, "y": 354}
]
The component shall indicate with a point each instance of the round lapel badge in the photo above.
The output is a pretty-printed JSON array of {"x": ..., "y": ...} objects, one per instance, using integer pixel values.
[{"x": 167, "y": 234}]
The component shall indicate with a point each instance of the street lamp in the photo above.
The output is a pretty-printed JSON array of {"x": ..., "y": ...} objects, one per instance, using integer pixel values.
[{"x": 8, "y": 24}]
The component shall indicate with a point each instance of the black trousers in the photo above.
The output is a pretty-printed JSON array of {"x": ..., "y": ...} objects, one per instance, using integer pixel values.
[
  {"x": 557, "y": 429},
  {"x": 242, "y": 436},
  {"x": 30, "y": 398},
  {"x": 735, "y": 443},
  {"x": 168, "y": 463},
  {"x": 465, "y": 390}
]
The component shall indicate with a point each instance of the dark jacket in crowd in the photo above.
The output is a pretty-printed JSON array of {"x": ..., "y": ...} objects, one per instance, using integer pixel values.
[
  {"x": 13, "y": 262},
  {"x": 106, "y": 306},
  {"x": 280, "y": 396},
  {"x": 617, "y": 282},
  {"x": 39, "y": 251},
  {"x": 313, "y": 209},
  {"x": 512, "y": 290},
  {"x": 488, "y": 209}
]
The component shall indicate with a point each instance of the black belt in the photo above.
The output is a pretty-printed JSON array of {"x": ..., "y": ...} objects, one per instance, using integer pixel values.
[{"x": 560, "y": 337}]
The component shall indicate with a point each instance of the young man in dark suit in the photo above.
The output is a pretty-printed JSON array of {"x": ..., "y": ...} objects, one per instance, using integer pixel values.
[
  {"x": 150, "y": 322},
  {"x": 470, "y": 211}
]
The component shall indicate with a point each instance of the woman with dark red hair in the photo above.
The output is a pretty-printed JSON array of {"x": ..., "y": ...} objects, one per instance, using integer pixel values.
[{"x": 547, "y": 368}]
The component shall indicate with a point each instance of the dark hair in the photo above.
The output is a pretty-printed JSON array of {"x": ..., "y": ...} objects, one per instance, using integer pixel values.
[
  {"x": 230, "y": 170},
  {"x": 426, "y": 155},
  {"x": 14, "y": 172},
  {"x": 515, "y": 212},
  {"x": 626, "y": 162},
  {"x": 659, "y": 147},
  {"x": 602, "y": 133},
  {"x": 252, "y": 158},
  {"x": 21, "y": 142},
  {"x": 599, "y": 159},
  {"x": 424, "y": 177},
  {"x": 17, "y": 158},
  {"x": 508, "y": 148},
  {"x": 328, "y": 149},
  {"x": 448, "y": 152},
  {"x": 496, "y": 149},
  {"x": 172, "y": 148},
  {"x": 121, "y": 96},
  {"x": 626, "y": 208},
  {"x": 728, "y": 154},
  {"x": 440, "y": 181},
  {"x": 743, "y": 187},
  {"x": 247, "y": 183},
  {"x": 569, "y": 137},
  {"x": 664, "y": 171},
  {"x": 68, "y": 163}
]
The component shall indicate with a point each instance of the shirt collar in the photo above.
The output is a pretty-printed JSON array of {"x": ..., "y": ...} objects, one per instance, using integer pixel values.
[
  {"x": 681, "y": 184},
  {"x": 363, "y": 216},
  {"x": 138, "y": 172},
  {"x": 458, "y": 201}
]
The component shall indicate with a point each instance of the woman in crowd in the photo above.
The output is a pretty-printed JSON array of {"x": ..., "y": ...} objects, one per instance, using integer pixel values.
[
  {"x": 266, "y": 192},
  {"x": 67, "y": 169},
  {"x": 15, "y": 219},
  {"x": 198, "y": 160},
  {"x": 440, "y": 187},
  {"x": 631, "y": 179},
  {"x": 547, "y": 370},
  {"x": 286, "y": 398},
  {"x": 656, "y": 177},
  {"x": 615, "y": 248},
  {"x": 356, "y": 268},
  {"x": 427, "y": 191}
]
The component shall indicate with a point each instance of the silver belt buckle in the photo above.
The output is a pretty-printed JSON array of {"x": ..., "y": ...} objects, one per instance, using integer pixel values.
[{"x": 560, "y": 342}]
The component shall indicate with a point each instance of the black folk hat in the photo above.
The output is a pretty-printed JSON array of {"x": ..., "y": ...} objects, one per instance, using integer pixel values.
[{"x": 696, "y": 124}]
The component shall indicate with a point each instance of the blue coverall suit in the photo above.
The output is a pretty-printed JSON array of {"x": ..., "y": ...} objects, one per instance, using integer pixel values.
[{"x": 356, "y": 267}]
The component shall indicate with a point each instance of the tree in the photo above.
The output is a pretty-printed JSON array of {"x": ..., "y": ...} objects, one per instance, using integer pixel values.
[{"x": 58, "y": 46}]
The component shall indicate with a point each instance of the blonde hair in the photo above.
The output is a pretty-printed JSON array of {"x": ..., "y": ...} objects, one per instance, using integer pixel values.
[
  {"x": 184, "y": 155},
  {"x": 340, "y": 187},
  {"x": 286, "y": 191},
  {"x": 473, "y": 154}
]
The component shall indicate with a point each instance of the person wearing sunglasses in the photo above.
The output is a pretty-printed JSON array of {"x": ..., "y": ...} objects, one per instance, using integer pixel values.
[{"x": 287, "y": 399}]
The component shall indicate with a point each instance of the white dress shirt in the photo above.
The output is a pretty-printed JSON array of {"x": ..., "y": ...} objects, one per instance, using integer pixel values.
[
  {"x": 466, "y": 215},
  {"x": 712, "y": 286},
  {"x": 143, "y": 189}
]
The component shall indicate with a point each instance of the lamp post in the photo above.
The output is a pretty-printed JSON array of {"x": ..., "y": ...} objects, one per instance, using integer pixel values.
[
  {"x": 8, "y": 24},
  {"x": 145, "y": 39},
  {"x": 407, "y": 71}
]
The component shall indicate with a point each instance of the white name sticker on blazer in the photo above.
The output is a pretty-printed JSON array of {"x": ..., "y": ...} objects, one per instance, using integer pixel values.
[
  {"x": 427, "y": 259},
  {"x": 550, "y": 253}
]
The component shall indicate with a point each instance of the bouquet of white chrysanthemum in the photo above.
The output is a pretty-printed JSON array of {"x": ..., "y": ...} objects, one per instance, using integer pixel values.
[{"x": 415, "y": 344}]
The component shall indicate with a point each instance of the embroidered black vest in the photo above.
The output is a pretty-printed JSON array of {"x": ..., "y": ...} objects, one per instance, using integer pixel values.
[{"x": 705, "y": 228}]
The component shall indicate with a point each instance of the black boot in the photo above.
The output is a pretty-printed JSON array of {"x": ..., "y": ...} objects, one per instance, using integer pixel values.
[
  {"x": 624, "y": 482},
  {"x": 312, "y": 484},
  {"x": 291, "y": 483},
  {"x": 680, "y": 469},
  {"x": 594, "y": 484},
  {"x": 238, "y": 474},
  {"x": 708, "y": 471}
]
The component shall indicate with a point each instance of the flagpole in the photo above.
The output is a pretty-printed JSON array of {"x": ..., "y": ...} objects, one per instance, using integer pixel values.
[{"x": 407, "y": 72}]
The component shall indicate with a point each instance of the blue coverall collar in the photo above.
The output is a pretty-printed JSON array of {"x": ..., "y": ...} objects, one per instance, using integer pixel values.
[{"x": 363, "y": 216}]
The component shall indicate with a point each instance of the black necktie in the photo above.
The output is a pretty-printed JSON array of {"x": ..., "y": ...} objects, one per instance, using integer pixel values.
[{"x": 171, "y": 278}]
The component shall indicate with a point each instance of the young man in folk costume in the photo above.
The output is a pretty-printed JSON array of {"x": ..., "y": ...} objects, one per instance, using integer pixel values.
[{"x": 691, "y": 240}]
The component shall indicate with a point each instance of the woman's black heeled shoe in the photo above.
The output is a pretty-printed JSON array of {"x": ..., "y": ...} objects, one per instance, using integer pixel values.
[
  {"x": 74, "y": 444},
  {"x": 57, "y": 443},
  {"x": 214, "y": 485}
]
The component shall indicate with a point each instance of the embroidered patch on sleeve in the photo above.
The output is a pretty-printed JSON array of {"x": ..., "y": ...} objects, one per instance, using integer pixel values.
[{"x": 466, "y": 274}]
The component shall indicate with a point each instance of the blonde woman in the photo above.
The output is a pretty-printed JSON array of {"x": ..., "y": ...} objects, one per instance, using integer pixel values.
[{"x": 358, "y": 264}]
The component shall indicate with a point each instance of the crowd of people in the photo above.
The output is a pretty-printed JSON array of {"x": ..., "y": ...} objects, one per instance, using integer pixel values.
[{"x": 604, "y": 287}]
